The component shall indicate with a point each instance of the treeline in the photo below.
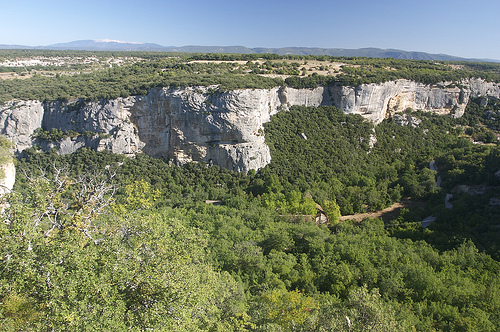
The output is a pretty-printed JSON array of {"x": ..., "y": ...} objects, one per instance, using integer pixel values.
[
  {"x": 55, "y": 134},
  {"x": 366, "y": 71},
  {"x": 178, "y": 70},
  {"x": 125, "y": 81}
]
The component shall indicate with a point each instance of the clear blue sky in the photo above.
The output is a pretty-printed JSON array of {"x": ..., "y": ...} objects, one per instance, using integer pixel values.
[{"x": 456, "y": 27}]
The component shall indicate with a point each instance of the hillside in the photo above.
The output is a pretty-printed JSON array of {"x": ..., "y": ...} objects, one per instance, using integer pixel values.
[{"x": 259, "y": 267}]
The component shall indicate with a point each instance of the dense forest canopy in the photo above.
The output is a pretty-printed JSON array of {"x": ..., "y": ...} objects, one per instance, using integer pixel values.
[
  {"x": 62, "y": 75},
  {"x": 95, "y": 240}
]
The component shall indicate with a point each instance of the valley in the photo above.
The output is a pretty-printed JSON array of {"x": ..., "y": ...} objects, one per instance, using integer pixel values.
[{"x": 106, "y": 223}]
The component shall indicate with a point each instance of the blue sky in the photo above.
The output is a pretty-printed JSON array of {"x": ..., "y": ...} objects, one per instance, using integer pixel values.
[{"x": 462, "y": 28}]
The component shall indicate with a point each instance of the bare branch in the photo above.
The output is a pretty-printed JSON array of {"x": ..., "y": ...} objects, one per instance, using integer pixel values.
[{"x": 58, "y": 201}]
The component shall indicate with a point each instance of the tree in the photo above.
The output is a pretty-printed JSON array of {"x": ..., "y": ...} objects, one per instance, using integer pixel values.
[
  {"x": 6, "y": 163},
  {"x": 288, "y": 309},
  {"x": 138, "y": 196},
  {"x": 332, "y": 210},
  {"x": 59, "y": 203},
  {"x": 364, "y": 311},
  {"x": 70, "y": 263}
]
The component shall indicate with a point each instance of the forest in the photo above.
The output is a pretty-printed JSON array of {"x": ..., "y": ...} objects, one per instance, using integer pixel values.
[
  {"x": 98, "y": 241},
  {"x": 95, "y": 241}
]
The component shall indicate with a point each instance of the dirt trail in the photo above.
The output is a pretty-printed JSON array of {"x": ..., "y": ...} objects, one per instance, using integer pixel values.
[{"x": 386, "y": 214}]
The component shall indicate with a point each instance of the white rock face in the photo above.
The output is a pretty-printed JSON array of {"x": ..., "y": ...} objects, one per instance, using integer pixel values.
[
  {"x": 225, "y": 128},
  {"x": 18, "y": 121},
  {"x": 378, "y": 101},
  {"x": 7, "y": 183}
]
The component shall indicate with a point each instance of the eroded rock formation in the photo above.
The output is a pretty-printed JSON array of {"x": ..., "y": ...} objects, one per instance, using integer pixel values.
[{"x": 225, "y": 128}]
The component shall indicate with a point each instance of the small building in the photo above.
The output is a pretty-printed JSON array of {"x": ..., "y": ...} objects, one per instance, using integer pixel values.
[{"x": 321, "y": 218}]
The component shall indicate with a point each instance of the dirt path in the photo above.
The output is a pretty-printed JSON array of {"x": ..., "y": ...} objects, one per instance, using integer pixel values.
[{"x": 386, "y": 214}]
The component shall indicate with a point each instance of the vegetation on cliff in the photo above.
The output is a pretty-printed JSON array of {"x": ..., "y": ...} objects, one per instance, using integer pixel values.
[{"x": 5, "y": 155}]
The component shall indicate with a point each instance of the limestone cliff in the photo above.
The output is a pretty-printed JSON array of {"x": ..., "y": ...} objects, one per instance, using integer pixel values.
[{"x": 220, "y": 127}]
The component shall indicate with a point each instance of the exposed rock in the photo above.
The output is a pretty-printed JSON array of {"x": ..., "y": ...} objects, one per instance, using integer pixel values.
[
  {"x": 471, "y": 190},
  {"x": 447, "y": 203},
  {"x": 492, "y": 115},
  {"x": 494, "y": 201},
  {"x": 225, "y": 128},
  {"x": 406, "y": 120},
  {"x": 439, "y": 180},
  {"x": 378, "y": 101},
  {"x": 7, "y": 182},
  {"x": 18, "y": 121},
  {"x": 483, "y": 102},
  {"x": 427, "y": 221}
]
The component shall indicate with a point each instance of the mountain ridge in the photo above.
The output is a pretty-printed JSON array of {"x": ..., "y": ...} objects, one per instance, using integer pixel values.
[{"x": 371, "y": 52}]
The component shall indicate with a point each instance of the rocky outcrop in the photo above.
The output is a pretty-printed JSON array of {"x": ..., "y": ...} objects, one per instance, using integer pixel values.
[
  {"x": 378, "y": 101},
  {"x": 18, "y": 121},
  {"x": 225, "y": 128},
  {"x": 405, "y": 119}
]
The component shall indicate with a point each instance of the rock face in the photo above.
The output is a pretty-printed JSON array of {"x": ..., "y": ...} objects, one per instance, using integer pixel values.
[
  {"x": 9, "y": 177},
  {"x": 220, "y": 127},
  {"x": 375, "y": 102},
  {"x": 406, "y": 120},
  {"x": 18, "y": 121}
]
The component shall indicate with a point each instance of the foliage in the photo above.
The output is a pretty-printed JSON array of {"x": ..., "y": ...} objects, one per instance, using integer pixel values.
[
  {"x": 5, "y": 155},
  {"x": 338, "y": 163},
  {"x": 97, "y": 241},
  {"x": 148, "y": 272},
  {"x": 142, "y": 71},
  {"x": 287, "y": 309},
  {"x": 238, "y": 246},
  {"x": 55, "y": 134}
]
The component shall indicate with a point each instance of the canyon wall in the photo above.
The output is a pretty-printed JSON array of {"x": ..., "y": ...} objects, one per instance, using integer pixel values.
[{"x": 225, "y": 128}]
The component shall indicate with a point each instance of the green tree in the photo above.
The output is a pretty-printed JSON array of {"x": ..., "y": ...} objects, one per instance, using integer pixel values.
[
  {"x": 332, "y": 210},
  {"x": 145, "y": 272},
  {"x": 5, "y": 155},
  {"x": 288, "y": 309}
]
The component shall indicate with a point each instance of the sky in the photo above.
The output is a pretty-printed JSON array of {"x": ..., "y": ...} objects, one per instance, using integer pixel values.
[{"x": 469, "y": 29}]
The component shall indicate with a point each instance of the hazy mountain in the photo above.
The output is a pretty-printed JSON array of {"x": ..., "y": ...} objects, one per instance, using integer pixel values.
[
  {"x": 14, "y": 47},
  {"x": 115, "y": 45},
  {"x": 105, "y": 45}
]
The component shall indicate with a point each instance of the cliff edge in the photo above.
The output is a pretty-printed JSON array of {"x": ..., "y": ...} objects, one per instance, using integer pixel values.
[{"x": 225, "y": 128}]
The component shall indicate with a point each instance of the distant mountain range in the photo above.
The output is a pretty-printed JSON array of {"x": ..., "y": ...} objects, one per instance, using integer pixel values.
[{"x": 115, "y": 45}]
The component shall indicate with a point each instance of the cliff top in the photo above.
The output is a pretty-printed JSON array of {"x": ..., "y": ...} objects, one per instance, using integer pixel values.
[{"x": 51, "y": 75}]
